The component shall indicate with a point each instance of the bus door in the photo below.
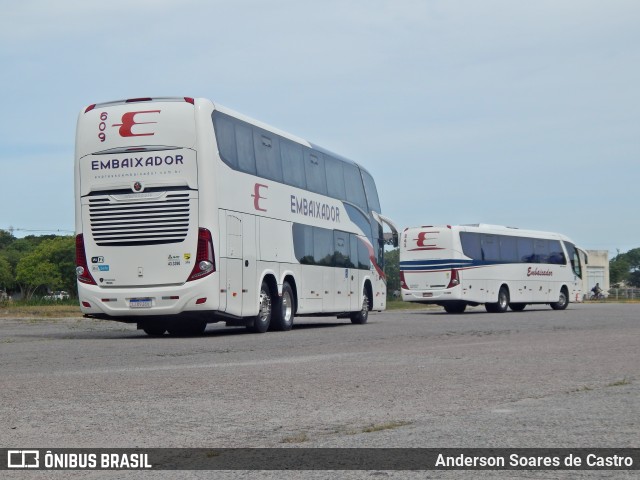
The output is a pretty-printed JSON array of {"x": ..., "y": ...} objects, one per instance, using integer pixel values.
[
  {"x": 232, "y": 289},
  {"x": 342, "y": 272},
  {"x": 355, "y": 272}
]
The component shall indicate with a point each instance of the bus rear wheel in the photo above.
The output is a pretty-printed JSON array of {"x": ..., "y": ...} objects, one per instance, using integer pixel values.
[
  {"x": 455, "y": 307},
  {"x": 262, "y": 321},
  {"x": 154, "y": 329},
  {"x": 502, "y": 304},
  {"x": 187, "y": 328},
  {"x": 517, "y": 307},
  {"x": 284, "y": 311},
  {"x": 361, "y": 317}
]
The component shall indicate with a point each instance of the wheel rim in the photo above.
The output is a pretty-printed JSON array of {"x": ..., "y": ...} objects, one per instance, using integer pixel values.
[
  {"x": 562, "y": 300},
  {"x": 503, "y": 300},
  {"x": 287, "y": 308},
  {"x": 265, "y": 306},
  {"x": 365, "y": 306}
]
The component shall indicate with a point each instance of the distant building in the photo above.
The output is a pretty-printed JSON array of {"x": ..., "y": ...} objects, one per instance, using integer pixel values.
[{"x": 597, "y": 271}]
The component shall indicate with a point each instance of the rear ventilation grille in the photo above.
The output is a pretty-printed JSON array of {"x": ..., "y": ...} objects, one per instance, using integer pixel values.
[{"x": 130, "y": 220}]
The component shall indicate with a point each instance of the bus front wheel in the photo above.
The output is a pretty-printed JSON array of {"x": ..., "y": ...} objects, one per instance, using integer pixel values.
[
  {"x": 362, "y": 316},
  {"x": 562, "y": 302}
]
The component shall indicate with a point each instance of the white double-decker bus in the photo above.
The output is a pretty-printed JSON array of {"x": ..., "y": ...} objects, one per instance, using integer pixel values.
[
  {"x": 188, "y": 213},
  {"x": 500, "y": 267}
]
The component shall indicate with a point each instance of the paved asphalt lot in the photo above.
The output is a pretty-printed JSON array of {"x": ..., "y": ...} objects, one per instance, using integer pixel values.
[{"x": 537, "y": 378}]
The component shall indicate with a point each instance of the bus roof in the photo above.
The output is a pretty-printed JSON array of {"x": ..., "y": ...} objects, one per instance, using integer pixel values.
[
  {"x": 227, "y": 111},
  {"x": 284, "y": 134},
  {"x": 497, "y": 229}
]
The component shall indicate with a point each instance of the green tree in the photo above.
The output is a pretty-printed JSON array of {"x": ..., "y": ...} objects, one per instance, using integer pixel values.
[
  {"x": 634, "y": 278},
  {"x": 7, "y": 280},
  {"x": 625, "y": 267},
  {"x": 619, "y": 269},
  {"x": 6, "y": 239},
  {"x": 6, "y": 275},
  {"x": 51, "y": 265},
  {"x": 392, "y": 270}
]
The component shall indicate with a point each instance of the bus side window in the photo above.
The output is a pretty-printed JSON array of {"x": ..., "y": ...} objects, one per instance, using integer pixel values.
[
  {"x": 508, "y": 249},
  {"x": 303, "y": 243},
  {"x": 268, "y": 162},
  {"x": 525, "y": 250},
  {"x": 541, "y": 250},
  {"x": 341, "y": 246},
  {"x": 574, "y": 256},
  {"x": 323, "y": 246},
  {"x": 353, "y": 250},
  {"x": 226, "y": 138},
  {"x": 292, "y": 164},
  {"x": 372, "y": 193},
  {"x": 244, "y": 142},
  {"x": 355, "y": 188},
  {"x": 556, "y": 255},
  {"x": 335, "y": 178},
  {"x": 471, "y": 245},
  {"x": 364, "y": 261},
  {"x": 490, "y": 248},
  {"x": 314, "y": 172}
]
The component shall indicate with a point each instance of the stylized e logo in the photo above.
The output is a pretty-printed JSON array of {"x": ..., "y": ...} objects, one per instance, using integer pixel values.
[
  {"x": 129, "y": 121},
  {"x": 256, "y": 196},
  {"x": 422, "y": 237}
]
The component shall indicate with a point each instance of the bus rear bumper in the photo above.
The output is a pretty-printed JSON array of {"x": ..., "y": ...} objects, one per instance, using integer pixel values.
[
  {"x": 427, "y": 296},
  {"x": 142, "y": 302}
]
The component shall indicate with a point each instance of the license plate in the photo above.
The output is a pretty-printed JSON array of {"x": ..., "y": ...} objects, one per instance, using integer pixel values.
[
  {"x": 427, "y": 294},
  {"x": 140, "y": 303}
]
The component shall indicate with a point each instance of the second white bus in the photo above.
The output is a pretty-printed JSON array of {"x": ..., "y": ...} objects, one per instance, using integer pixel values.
[{"x": 500, "y": 267}]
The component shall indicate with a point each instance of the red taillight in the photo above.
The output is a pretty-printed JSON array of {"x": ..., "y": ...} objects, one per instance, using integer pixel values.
[
  {"x": 205, "y": 261},
  {"x": 82, "y": 268},
  {"x": 189, "y": 100},
  {"x": 403, "y": 283},
  {"x": 90, "y": 107},
  {"x": 455, "y": 279}
]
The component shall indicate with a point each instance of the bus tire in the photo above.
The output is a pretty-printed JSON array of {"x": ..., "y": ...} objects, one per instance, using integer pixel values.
[
  {"x": 455, "y": 307},
  {"x": 562, "y": 302},
  {"x": 361, "y": 317},
  {"x": 263, "y": 319},
  {"x": 517, "y": 307},
  {"x": 502, "y": 304},
  {"x": 154, "y": 329},
  {"x": 187, "y": 328},
  {"x": 284, "y": 310}
]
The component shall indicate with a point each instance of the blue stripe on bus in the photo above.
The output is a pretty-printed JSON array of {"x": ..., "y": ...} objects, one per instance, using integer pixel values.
[{"x": 445, "y": 264}]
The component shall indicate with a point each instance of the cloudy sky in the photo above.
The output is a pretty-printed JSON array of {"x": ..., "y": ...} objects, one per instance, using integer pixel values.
[{"x": 521, "y": 113}]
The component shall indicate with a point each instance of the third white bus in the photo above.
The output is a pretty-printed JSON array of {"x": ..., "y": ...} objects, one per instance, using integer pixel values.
[{"x": 500, "y": 267}]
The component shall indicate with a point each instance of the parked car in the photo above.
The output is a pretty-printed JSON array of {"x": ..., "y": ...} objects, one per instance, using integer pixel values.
[{"x": 57, "y": 295}]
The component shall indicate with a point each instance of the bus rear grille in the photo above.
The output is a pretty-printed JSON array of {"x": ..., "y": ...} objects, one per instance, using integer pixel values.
[{"x": 127, "y": 223}]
